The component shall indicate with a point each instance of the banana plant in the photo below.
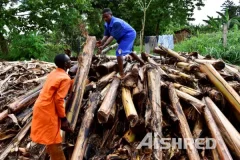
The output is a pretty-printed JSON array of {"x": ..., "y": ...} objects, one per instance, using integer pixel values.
[
  {"x": 213, "y": 23},
  {"x": 226, "y": 23}
]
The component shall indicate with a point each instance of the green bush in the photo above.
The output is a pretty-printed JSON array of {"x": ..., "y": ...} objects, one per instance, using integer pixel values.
[
  {"x": 211, "y": 44},
  {"x": 27, "y": 46},
  {"x": 33, "y": 46}
]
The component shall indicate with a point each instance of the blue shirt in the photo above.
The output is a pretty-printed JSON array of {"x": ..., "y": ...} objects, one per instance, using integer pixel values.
[{"x": 117, "y": 28}]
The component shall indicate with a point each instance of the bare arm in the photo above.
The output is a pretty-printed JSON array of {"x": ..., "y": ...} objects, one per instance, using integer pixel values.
[
  {"x": 104, "y": 39},
  {"x": 109, "y": 40}
]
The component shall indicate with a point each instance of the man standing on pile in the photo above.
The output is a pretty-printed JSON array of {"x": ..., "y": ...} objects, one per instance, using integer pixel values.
[
  {"x": 49, "y": 111},
  {"x": 116, "y": 28}
]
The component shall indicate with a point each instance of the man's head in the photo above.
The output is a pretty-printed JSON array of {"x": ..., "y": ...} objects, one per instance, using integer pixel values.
[
  {"x": 107, "y": 14},
  {"x": 62, "y": 61},
  {"x": 67, "y": 52}
]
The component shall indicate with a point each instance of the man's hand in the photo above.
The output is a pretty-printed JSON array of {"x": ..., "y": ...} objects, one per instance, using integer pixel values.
[
  {"x": 100, "y": 48},
  {"x": 65, "y": 125},
  {"x": 98, "y": 43}
]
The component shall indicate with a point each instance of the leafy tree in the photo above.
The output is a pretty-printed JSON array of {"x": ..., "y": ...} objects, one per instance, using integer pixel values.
[
  {"x": 231, "y": 7},
  {"x": 160, "y": 14},
  {"x": 27, "y": 46},
  {"x": 41, "y": 15},
  {"x": 213, "y": 23},
  {"x": 226, "y": 22}
]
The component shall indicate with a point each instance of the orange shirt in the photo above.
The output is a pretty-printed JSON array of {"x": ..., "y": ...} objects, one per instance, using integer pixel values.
[{"x": 49, "y": 108}]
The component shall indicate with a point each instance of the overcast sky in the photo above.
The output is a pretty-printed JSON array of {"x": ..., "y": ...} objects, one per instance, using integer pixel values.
[{"x": 210, "y": 8}]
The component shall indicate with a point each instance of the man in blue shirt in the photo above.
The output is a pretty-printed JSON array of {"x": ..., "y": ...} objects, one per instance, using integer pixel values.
[{"x": 116, "y": 28}]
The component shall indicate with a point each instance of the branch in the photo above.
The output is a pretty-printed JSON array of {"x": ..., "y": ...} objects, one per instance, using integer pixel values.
[
  {"x": 149, "y": 4},
  {"x": 141, "y": 4}
]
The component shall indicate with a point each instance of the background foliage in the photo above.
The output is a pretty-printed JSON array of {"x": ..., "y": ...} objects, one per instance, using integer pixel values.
[
  {"x": 211, "y": 44},
  {"x": 40, "y": 29}
]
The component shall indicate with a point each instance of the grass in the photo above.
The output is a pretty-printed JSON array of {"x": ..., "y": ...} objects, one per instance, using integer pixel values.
[{"x": 211, "y": 44}]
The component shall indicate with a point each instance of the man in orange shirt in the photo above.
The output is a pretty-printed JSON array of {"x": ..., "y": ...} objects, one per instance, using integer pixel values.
[{"x": 49, "y": 111}]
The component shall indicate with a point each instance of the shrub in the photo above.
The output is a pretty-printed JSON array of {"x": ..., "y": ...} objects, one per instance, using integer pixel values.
[
  {"x": 33, "y": 46},
  {"x": 211, "y": 44}
]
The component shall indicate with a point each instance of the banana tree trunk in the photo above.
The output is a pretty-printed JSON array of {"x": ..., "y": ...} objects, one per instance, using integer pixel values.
[
  {"x": 183, "y": 124},
  {"x": 225, "y": 32},
  {"x": 85, "y": 60},
  {"x": 84, "y": 130}
]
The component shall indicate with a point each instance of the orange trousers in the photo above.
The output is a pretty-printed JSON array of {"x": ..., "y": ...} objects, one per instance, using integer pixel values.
[{"x": 55, "y": 151}]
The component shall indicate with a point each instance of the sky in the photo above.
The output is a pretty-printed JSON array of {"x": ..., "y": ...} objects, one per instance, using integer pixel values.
[{"x": 210, "y": 8}]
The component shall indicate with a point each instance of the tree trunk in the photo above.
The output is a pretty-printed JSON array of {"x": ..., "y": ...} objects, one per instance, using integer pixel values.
[
  {"x": 154, "y": 92},
  {"x": 184, "y": 127},
  {"x": 22, "y": 102},
  {"x": 25, "y": 100},
  {"x": 187, "y": 66},
  {"x": 85, "y": 60},
  {"x": 188, "y": 90},
  {"x": 221, "y": 146},
  {"x": 230, "y": 94},
  {"x": 233, "y": 71},
  {"x": 83, "y": 134},
  {"x": 196, "y": 103},
  {"x": 108, "y": 102},
  {"x": 3, "y": 44},
  {"x": 157, "y": 28},
  {"x": 107, "y": 67},
  {"x": 225, "y": 32},
  {"x": 217, "y": 64},
  {"x": 213, "y": 94},
  {"x": 129, "y": 107},
  {"x": 229, "y": 133},
  {"x": 131, "y": 78},
  {"x": 143, "y": 28},
  {"x": 165, "y": 51},
  {"x": 112, "y": 113},
  {"x": 105, "y": 80},
  {"x": 109, "y": 48}
]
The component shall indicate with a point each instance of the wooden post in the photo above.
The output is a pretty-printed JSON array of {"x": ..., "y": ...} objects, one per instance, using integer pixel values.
[
  {"x": 184, "y": 127},
  {"x": 85, "y": 60}
]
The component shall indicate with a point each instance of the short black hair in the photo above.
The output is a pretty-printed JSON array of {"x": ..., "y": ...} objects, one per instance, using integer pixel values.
[
  {"x": 60, "y": 60},
  {"x": 107, "y": 10}
]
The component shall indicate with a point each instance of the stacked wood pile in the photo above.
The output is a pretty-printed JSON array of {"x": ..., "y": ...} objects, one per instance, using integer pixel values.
[
  {"x": 20, "y": 85},
  {"x": 174, "y": 95}
]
